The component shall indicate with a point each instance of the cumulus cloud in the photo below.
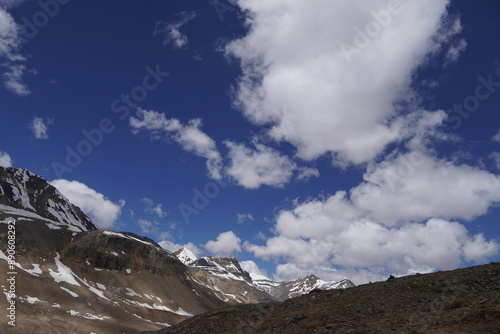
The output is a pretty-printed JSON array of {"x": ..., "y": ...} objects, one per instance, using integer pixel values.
[
  {"x": 39, "y": 126},
  {"x": 369, "y": 251},
  {"x": 226, "y": 244},
  {"x": 414, "y": 186},
  {"x": 99, "y": 208},
  {"x": 172, "y": 247},
  {"x": 252, "y": 267},
  {"x": 5, "y": 160},
  {"x": 154, "y": 209},
  {"x": 399, "y": 220},
  {"x": 190, "y": 137},
  {"x": 252, "y": 168},
  {"x": 171, "y": 31},
  {"x": 291, "y": 58}
]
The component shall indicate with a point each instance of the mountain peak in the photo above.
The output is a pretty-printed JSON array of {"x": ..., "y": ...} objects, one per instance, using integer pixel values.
[
  {"x": 28, "y": 196},
  {"x": 185, "y": 256}
]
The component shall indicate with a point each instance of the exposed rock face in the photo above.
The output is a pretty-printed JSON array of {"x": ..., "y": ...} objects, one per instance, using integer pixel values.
[
  {"x": 21, "y": 190},
  {"x": 222, "y": 265},
  {"x": 226, "y": 277},
  {"x": 73, "y": 278}
]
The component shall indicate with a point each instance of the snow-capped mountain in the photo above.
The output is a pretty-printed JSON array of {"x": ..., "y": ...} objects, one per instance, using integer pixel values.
[
  {"x": 225, "y": 277},
  {"x": 185, "y": 256},
  {"x": 222, "y": 270},
  {"x": 264, "y": 283},
  {"x": 74, "y": 278},
  {"x": 300, "y": 286},
  {"x": 29, "y": 197},
  {"x": 289, "y": 289}
]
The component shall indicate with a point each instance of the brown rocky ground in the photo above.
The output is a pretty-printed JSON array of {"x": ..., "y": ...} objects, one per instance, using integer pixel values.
[{"x": 452, "y": 302}]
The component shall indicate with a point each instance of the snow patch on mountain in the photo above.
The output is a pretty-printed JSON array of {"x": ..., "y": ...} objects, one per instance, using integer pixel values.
[{"x": 185, "y": 256}]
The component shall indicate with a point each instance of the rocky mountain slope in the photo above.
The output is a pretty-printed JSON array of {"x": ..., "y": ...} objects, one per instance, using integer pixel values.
[
  {"x": 30, "y": 197},
  {"x": 229, "y": 269},
  {"x": 453, "y": 302},
  {"x": 71, "y": 277}
]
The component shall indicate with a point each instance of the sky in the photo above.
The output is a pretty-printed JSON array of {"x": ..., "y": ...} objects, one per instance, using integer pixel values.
[{"x": 348, "y": 139}]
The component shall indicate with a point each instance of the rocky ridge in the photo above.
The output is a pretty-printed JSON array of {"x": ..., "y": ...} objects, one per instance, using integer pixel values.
[{"x": 463, "y": 301}]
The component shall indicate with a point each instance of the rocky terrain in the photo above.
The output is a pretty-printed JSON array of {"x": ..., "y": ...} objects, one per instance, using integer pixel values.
[
  {"x": 452, "y": 302},
  {"x": 72, "y": 277}
]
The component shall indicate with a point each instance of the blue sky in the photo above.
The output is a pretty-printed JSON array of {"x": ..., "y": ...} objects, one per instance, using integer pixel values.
[{"x": 350, "y": 139}]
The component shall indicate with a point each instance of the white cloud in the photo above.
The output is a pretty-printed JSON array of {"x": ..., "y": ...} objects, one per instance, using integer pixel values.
[
  {"x": 226, "y": 244},
  {"x": 10, "y": 43},
  {"x": 154, "y": 209},
  {"x": 301, "y": 66},
  {"x": 369, "y": 251},
  {"x": 243, "y": 218},
  {"x": 5, "y": 160},
  {"x": 456, "y": 50},
  {"x": 413, "y": 187},
  {"x": 477, "y": 248},
  {"x": 99, "y": 208},
  {"x": 262, "y": 166},
  {"x": 305, "y": 173},
  {"x": 172, "y": 247},
  {"x": 496, "y": 137},
  {"x": 252, "y": 267},
  {"x": 190, "y": 137},
  {"x": 153, "y": 228},
  {"x": 399, "y": 221},
  {"x": 13, "y": 80},
  {"x": 9, "y": 38},
  {"x": 171, "y": 31},
  {"x": 39, "y": 126},
  {"x": 495, "y": 156}
]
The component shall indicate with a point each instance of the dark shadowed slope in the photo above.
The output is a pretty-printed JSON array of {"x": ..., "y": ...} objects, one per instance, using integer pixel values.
[{"x": 453, "y": 302}]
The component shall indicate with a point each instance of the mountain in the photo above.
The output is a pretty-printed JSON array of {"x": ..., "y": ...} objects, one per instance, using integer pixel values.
[
  {"x": 29, "y": 197},
  {"x": 229, "y": 270},
  {"x": 71, "y": 277},
  {"x": 304, "y": 285},
  {"x": 74, "y": 278},
  {"x": 228, "y": 280},
  {"x": 459, "y": 301},
  {"x": 185, "y": 256}
]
